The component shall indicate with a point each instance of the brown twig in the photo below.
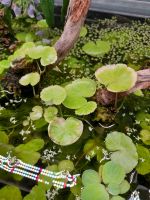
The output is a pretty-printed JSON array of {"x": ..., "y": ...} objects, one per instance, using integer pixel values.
[{"x": 77, "y": 11}]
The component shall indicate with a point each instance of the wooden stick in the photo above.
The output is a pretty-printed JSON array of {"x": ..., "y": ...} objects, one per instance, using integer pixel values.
[{"x": 77, "y": 11}]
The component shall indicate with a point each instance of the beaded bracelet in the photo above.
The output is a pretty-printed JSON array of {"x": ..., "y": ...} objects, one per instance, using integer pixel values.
[{"x": 16, "y": 166}]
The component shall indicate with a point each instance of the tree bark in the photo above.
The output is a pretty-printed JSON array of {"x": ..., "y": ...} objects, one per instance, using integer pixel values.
[
  {"x": 104, "y": 97},
  {"x": 77, "y": 11}
]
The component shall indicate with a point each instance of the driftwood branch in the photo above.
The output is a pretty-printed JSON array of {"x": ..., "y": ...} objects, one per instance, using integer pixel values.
[
  {"x": 105, "y": 97},
  {"x": 77, "y": 11}
]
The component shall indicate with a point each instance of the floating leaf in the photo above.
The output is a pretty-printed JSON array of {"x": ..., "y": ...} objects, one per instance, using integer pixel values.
[
  {"x": 145, "y": 136},
  {"x": 25, "y": 37},
  {"x": 28, "y": 152},
  {"x": 66, "y": 165},
  {"x": 117, "y": 78},
  {"x": 94, "y": 192},
  {"x": 74, "y": 102},
  {"x": 124, "y": 187},
  {"x": 113, "y": 189},
  {"x": 10, "y": 193},
  {"x": 144, "y": 160},
  {"x": 31, "y": 78},
  {"x": 50, "y": 113},
  {"x": 49, "y": 56},
  {"x": 83, "y": 32},
  {"x": 53, "y": 95},
  {"x": 87, "y": 109},
  {"x": 35, "y": 52},
  {"x": 81, "y": 87},
  {"x": 37, "y": 113},
  {"x": 65, "y": 132},
  {"x": 112, "y": 173},
  {"x": 4, "y": 137},
  {"x": 4, "y": 64},
  {"x": 42, "y": 24},
  {"x": 36, "y": 193},
  {"x": 144, "y": 119},
  {"x": 77, "y": 91},
  {"x": 90, "y": 177},
  {"x": 97, "y": 48},
  {"x": 117, "y": 198},
  {"x": 124, "y": 151},
  {"x": 90, "y": 148}
]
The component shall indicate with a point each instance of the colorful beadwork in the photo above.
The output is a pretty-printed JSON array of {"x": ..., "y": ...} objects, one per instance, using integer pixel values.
[{"x": 16, "y": 166}]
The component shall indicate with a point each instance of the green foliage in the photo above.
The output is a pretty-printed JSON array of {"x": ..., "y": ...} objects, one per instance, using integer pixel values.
[
  {"x": 144, "y": 160},
  {"x": 117, "y": 198},
  {"x": 50, "y": 113},
  {"x": 90, "y": 177},
  {"x": 28, "y": 152},
  {"x": 116, "y": 78},
  {"x": 95, "y": 192},
  {"x": 53, "y": 95},
  {"x": 96, "y": 49},
  {"x": 36, "y": 193},
  {"x": 4, "y": 137},
  {"x": 112, "y": 173},
  {"x": 47, "y": 7},
  {"x": 145, "y": 136},
  {"x": 66, "y": 165},
  {"x": 144, "y": 120},
  {"x": 36, "y": 113},
  {"x": 77, "y": 92},
  {"x": 83, "y": 32},
  {"x": 25, "y": 37},
  {"x": 10, "y": 193},
  {"x": 124, "y": 150},
  {"x": 32, "y": 78},
  {"x": 4, "y": 64},
  {"x": 65, "y": 132},
  {"x": 87, "y": 108}
]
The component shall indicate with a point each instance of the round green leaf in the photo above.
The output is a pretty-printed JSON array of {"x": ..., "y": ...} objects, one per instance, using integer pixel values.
[
  {"x": 10, "y": 193},
  {"x": 50, "y": 113},
  {"x": 97, "y": 48},
  {"x": 144, "y": 119},
  {"x": 112, "y": 173},
  {"x": 117, "y": 198},
  {"x": 81, "y": 87},
  {"x": 48, "y": 56},
  {"x": 31, "y": 78},
  {"x": 90, "y": 177},
  {"x": 74, "y": 102},
  {"x": 124, "y": 150},
  {"x": 144, "y": 160},
  {"x": 36, "y": 193},
  {"x": 35, "y": 52},
  {"x": 42, "y": 23},
  {"x": 37, "y": 113},
  {"x": 113, "y": 189},
  {"x": 4, "y": 64},
  {"x": 124, "y": 187},
  {"x": 65, "y": 132},
  {"x": 87, "y": 109},
  {"x": 3, "y": 137},
  {"x": 66, "y": 165},
  {"x": 83, "y": 32},
  {"x": 94, "y": 192},
  {"x": 145, "y": 136},
  {"x": 53, "y": 95},
  {"x": 117, "y": 78}
]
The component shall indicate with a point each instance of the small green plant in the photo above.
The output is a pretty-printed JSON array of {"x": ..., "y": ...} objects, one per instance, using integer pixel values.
[{"x": 116, "y": 78}]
